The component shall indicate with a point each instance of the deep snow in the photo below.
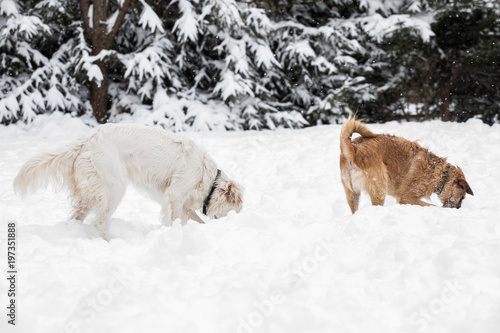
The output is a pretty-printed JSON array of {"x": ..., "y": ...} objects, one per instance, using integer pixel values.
[{"x": 294, "y": 259}]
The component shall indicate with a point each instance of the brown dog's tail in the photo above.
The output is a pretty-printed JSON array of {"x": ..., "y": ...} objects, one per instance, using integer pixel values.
[
  {"x": 46, "y": 168},
  {"x": 352, "y": 126}
]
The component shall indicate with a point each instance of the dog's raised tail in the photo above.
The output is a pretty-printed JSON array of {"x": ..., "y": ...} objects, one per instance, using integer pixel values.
[
  {"x": 48, "y": 168},
  {"x": 352, "y": 125}
]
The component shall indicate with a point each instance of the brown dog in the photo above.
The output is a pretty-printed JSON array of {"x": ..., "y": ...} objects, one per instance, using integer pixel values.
[{"x": 384, "y": 164}]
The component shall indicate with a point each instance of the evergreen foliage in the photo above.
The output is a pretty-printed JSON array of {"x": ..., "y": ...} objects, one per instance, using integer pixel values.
[{"x": 226, "y": 64}]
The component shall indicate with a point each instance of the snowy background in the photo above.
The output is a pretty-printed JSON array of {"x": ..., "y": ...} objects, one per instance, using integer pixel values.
[
  {"x": 293, "y": 260},
  {"x": 256, "y": 64}
]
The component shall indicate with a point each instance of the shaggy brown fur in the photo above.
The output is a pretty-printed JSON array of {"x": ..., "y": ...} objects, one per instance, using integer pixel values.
[{"x": 382, "y": 164}]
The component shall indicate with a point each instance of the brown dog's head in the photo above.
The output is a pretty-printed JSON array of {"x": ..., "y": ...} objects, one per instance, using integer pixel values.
[
  {"x": 227, "y": 196},
  {"x": 455, "y": 188}
]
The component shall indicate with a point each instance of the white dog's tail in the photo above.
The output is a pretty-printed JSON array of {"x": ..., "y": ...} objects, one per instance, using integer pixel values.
[
  {"x": 39, "y": 172},
  {"x": 352, "y": 126}
]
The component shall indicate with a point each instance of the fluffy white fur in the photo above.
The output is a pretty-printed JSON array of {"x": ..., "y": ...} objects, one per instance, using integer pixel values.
[{"x": 169, "y": 168}]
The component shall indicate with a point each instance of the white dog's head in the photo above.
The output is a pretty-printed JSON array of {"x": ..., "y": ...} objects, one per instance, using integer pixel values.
[{"x": 226, "y": 196}]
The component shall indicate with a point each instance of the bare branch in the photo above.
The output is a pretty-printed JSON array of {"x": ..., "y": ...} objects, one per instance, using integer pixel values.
[{"x": 119, "y": 20}]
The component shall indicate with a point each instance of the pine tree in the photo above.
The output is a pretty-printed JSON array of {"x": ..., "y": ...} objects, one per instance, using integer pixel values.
[
  {"x": 37, "y": 59},
  {"x": 225, "y": 64},
  {"x": 467, "y": 40}
]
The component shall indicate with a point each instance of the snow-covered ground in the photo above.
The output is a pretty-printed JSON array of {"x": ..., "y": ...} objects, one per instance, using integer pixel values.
[{"x": 293, "y": 260}]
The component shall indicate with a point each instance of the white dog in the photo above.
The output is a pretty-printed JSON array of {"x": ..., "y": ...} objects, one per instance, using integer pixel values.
[{"x": 171, "y": 169}]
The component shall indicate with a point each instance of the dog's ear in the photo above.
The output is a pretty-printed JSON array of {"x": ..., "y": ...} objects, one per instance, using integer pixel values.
[
  {"x": 234, "y": 194},
  {"x": 468, "y": 190},
  {"x": 463, "y": 183}
]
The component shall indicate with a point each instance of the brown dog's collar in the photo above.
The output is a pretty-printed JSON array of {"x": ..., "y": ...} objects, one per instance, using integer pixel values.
[{"x": 446, "y": 172}]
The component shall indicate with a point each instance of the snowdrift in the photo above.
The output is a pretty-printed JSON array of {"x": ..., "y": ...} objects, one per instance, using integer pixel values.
[{"x": 294, "y": 259}]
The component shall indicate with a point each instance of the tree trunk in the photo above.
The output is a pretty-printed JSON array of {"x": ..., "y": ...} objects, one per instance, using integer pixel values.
[
  {"x": 99, "y": 95},
  {"x": 425, "y": 109},
  {"x": 100, "y": 35},
  {"x": 449, "y": 88},
  {"x": 445, "y": 106},
  {"x": 99, "y": 90}
]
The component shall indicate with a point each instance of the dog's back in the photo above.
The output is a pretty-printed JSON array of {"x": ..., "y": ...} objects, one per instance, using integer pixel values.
[
  {"x": 386, "y": 151},
  {"x": 152, "y": 157}
]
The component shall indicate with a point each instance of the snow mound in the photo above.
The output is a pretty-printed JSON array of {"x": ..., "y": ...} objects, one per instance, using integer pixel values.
[{"x": 293, "y": 260}]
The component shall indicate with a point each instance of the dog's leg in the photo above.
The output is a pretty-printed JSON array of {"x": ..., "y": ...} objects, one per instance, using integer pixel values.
[
  {"x": 353, "y": 182},
  {"x": 413, "y": 201},
  {"x": 81, "y": 207},
  {"x": 415, "y": 185},
  {"x": 79, "y": 213},
  {"x": 101, "y": 224},
  {"x": 167, "y": 218},
  {"x": 104, "y": 213},
  {"x": 191, "y": 214},
  {"x": 108, "y": 183},
  {"x": 171, "y": 209},
  {"x": 376, "y": 187},
  {"x": 352, "y": 199},
  {"x": 178, "y": 213},
  {"x": 176, "y": 201},
  {"x": 109, "y": 205},
  {"x": 411, "y": 193},
  {"x": 377, "y": 199}
]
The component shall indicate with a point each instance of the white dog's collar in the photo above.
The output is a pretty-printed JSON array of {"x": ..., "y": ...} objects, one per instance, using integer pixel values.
[{"x": 207, "y": 200}]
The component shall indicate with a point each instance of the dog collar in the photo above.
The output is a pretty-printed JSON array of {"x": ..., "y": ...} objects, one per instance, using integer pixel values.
[
  {"x": 209, "y": 197},
  {"x": 439, "y": 189}
]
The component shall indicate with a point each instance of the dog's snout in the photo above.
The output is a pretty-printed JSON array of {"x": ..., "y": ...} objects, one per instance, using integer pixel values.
[{"x": 449, "y": 204}]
